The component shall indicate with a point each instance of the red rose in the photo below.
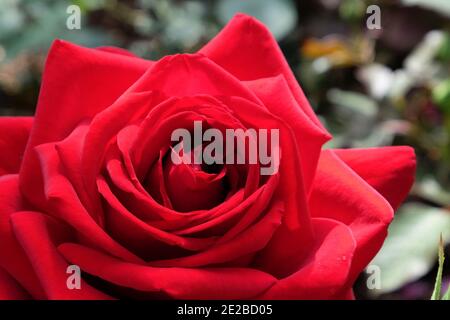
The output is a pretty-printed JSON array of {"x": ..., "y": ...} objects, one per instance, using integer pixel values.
[{"x": 88, "y": 182}]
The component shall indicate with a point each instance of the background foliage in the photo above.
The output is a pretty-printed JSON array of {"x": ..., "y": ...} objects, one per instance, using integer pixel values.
[{"x": 370, "y": 87}]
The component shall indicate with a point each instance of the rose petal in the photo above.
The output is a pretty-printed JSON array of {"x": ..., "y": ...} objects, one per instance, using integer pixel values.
[
  {"x": 188, "y": 75},
  {"x": 10, "y": 289},
  {"x": 247, "y": 49},
  {"x": 106, "y": 125},
  {"x": 390, "y": 170},
  {"x": 179, "y": 283},
  {"x": 63, "y": 203},
  {"x": 276, "y": 96},
  {"x": 12, "y": 257},
  {"x": 239, "y": 216},
  {"x": 144, "y": 238},
  {"x": 14, "y": 133},
  {"x": 83, "y": 151},
  {"x": 252, "y": 240},
  {"x": 326, "y": 269},
  {"x": 135, "y": 198},
  {"x": 339, "y": 193},
  {"x": 296, "y": 227},
  {"x": 38, "y": 235},
  {"x": 74, "y": 89},
  {"x": 155, "y": 183},
  {"x": 292, "y": 181},
  {"x": 189, "y": 188}
]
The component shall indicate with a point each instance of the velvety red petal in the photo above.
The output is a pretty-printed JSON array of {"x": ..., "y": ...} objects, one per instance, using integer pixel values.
[
  {"x": 12, "y": 257},
  {"x": 105, "y": 125},
  {"x": 179, "y": 283},
  {"x": 189, "y": 188},
  {"x": 155, "y": 183},
  {"x": 38, "y": 235},
  {"x": 77, "y": 84},
  {"x": 339, "y": 193},
  {"x": 296, "y": 227},
  {"x": 276, "y": 96},
  {"x": 247, "y": 49},
  {"x": 191, "y": 74},
  {"x": 10, "y": 289},
  {"x": 142, "y": 237},
  {"x": 390, "y": 170},
  {"x": 63, "y": 203},
  {"x": 292, "y": 180},
  {"x": 132, "y": 196},
  {"x": 83, "y": 151},
  {"x": 235, "y": 214},
  {"x": 199, "y": 223},
  {"x": 249, "y": 241},
  {"x": 14, "y": 133},
  {"x": 326, "y": 269}
]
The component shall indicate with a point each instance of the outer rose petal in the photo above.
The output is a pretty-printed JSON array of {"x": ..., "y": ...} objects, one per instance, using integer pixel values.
[
  {"x": 340, "y": 194},
  {"x": 14, "y": 133},
  {"x": 12, "y": 257},
  {"x": 179, "y": 283},
  {"x": 191, "y": 74},
  {"x": 325, "y": 271},
  {"x": 10, "y": 289},
  {"x": 73, "y": 89},
  {"x": 390, "y": 170},
  {"x": 246, "y": 49},
  {"x": 38, "y": 235}
]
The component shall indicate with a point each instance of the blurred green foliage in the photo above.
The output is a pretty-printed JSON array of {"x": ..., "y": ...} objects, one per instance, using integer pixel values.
[{"x": 370, "y": 87}]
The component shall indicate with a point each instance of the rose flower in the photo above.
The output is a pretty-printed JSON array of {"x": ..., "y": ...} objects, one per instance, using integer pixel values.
[{"x": 90, "y": 181}]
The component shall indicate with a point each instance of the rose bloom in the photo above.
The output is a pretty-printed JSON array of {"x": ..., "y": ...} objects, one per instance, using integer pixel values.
[{"x": 88, "y": 182}]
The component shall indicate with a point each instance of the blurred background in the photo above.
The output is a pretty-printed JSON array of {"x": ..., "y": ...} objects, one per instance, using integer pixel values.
[{"x": 377, "y": 87}]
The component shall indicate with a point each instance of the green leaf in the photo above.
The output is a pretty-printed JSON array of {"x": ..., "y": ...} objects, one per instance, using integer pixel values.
[
  {"x": 446, "y": 296},
  {"x": 438, "y": 284},
  {"x": 441, "y": 95},
  {"x": 409, "y": 251}
]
